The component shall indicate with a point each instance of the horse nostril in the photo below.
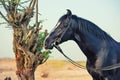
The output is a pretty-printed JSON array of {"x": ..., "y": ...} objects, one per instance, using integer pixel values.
[{"x": 45, "y": 45}]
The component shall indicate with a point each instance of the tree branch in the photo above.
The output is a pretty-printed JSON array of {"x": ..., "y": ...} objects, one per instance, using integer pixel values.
[
  {"x": 3, "y": 3},
  {"x": 12, "y": 24},
  {"x": 37, "y": 12},
  {"x": 33, "y": 4},
  {"x": 30, "y": 3},
  {"x": 4, "y": 17},
  {"x": 24, "y": 2}
]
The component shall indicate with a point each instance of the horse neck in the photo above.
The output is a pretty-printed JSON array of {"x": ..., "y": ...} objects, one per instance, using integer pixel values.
[
  {"x": 88, "y": 43},
  {"x": 92, "y": 45},
  {"x": 87, "y": 49}
]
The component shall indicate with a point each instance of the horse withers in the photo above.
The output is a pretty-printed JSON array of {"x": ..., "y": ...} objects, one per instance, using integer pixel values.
[{"x": 100, "y": 48}]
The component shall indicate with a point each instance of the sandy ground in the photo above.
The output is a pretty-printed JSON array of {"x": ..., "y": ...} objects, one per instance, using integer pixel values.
[{"x": 51, "y": 70}]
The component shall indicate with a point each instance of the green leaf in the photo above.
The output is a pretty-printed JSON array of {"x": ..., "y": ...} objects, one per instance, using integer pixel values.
[
  {"x": 16, "y": 1},
  {"x": 41, "y": 36},
  {"x": 46, "y": 53}
]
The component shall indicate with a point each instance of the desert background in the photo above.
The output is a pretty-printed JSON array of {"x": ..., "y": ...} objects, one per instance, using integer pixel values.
[{"x": 50, "y": 70}]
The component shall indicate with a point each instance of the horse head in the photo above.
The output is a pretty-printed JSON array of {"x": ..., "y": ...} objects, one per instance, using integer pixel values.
[{"x": 62, "y": 31}]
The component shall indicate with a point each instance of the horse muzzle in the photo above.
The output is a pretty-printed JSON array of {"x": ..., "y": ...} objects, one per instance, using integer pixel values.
[{"x": 48, "y": 44}]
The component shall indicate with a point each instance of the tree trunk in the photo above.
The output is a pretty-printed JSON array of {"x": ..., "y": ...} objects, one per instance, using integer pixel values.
[
  {"x": 25, "y": 74},
  {"x": 27, "y": 59},
  {"x": 27, "y": 54},
  {"x": 25, "y": 69}
]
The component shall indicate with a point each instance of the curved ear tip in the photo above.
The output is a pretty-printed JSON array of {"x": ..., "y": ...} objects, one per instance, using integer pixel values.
[{"x": 68, "y": 10}]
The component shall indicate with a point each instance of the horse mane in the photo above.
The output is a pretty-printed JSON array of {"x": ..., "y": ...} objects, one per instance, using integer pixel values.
[{"x": 88, "y": 26}]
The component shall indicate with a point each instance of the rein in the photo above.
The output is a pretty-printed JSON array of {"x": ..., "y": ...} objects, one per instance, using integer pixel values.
[{"x": 69, "y": 59}]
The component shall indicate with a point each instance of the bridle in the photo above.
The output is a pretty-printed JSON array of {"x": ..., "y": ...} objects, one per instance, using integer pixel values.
[
  {"x": 60, "y": 50},
  {"x": 111, "y": 67},
  {"x": 59, "y": 39}
]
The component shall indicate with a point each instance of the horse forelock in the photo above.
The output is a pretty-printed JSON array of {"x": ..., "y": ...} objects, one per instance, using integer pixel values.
[{"x": 63, "y": 17}]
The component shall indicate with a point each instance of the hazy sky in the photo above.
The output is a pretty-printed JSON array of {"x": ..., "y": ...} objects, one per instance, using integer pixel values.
[{"x": 104, "y": 13}]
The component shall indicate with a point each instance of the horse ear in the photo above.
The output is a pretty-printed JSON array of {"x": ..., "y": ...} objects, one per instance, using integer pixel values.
[{"x": 69, "y": 13}]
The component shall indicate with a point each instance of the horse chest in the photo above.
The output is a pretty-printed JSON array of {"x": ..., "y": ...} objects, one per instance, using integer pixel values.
[{"x": 92, "y": 71}]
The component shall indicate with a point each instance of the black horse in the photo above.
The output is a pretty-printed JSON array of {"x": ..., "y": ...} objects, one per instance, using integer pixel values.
[{"x": 100, "y": 49}]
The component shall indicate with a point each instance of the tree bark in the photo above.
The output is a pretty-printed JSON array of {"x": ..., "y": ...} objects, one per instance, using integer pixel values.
[
  {"x": 26, "y": 54},
  {"x": 25, "y": 69}
]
